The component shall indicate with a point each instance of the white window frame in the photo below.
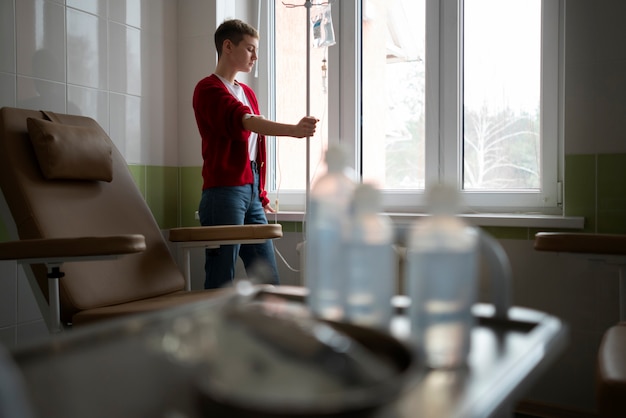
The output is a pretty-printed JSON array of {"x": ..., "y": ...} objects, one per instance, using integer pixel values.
[
  {"x": 546, "y": 200},
  {"x": 444, "y": 107}
]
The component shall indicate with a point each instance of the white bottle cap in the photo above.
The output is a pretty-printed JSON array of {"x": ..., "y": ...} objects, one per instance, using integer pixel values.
[
  {"x": 443, "y": 199},
  {"x": 367, "y": 198},
  {"x": 335, "y": 158}
]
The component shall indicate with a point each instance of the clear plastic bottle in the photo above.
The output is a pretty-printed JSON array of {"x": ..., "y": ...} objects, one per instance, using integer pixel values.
[
  {"x": 370, "y": 268},
  {"x": 326, "y": 220},
  {"x": 441, "y": 279}
]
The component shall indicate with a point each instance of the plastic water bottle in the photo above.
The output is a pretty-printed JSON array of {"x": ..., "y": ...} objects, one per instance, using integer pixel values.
[
  {"x": 441, "y": 277},
  {"x": 370, "y": 267},
  {"x": 326, "y": 221}
]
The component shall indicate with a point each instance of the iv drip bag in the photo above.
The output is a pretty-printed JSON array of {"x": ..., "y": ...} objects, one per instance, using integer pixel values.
[{"x": 322, "y": 26}]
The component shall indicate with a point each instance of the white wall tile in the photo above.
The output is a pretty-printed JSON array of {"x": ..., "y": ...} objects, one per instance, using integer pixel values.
[
  {"x": 7, "y": 36},
  {"x": 95, "y": 7},
  {"x": 8, "y": 289},
  {"x": 86, "y": 50},
  {"x": 159, "y": 76},
  {"x": 125, "y": 126},
  {"x": 124, "y": 59},
  {"x": 197, "y": 15},
  {"x": 7, "y": 337},
  {"x": 31, "y": 332},
  {"x": 37, "y": 94},
  {"x": 90, "y": 102},
  {"x": 40, "y": 29},
  {"x": 27, "y": 307},
  {"x": 127, "y": 12},
  {"x": 199, "y": 58},
  {"x": 8, "y": 87}
]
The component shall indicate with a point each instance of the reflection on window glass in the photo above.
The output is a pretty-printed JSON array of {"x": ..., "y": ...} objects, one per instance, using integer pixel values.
[
  {"x": 393, "y": 93},
  {"x": 501, "y": 76},
  {"x": 291, "y": 97}
]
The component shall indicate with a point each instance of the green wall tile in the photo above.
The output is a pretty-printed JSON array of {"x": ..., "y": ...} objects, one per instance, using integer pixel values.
[
  {"x": 580, "y": 188},
  {"x": 162, "y": 195},
  {"x": 291, "y": 226},
  {"x": 139, "y": 174},
  {"x": 612, "y": 193},
  {"x": 507, "y": 232},
  {"x": 173, "y": 194},
  {"x": 190, "y": 192}
]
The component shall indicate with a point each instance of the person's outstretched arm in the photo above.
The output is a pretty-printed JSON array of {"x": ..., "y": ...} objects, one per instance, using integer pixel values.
[{"x": 260, "y": 125}]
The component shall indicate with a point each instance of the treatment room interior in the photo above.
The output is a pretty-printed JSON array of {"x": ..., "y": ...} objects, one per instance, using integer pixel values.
[{"x": 142, "y": 60}]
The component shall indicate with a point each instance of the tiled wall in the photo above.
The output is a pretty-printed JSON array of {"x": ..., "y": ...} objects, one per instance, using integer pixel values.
[
  {"x": 596, "y": 189},
  {"x": 160, "y": 188},
  {"x": 114, "y": 61}
]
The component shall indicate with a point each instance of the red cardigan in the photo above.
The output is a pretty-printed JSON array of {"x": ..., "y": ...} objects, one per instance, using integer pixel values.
[{"x": 219, "y": 116}]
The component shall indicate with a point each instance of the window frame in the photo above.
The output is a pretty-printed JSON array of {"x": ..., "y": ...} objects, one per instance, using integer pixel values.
[{"x": 443, "y": 109}]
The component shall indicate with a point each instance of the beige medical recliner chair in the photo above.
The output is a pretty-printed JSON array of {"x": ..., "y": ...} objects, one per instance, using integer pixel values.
[
  {"x": 71, "y": 204},
  {"x": 610, "y": 384}
]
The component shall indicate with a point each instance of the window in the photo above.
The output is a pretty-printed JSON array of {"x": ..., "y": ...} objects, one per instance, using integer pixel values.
[
  {"x": 501, "y": 94},
  {"x": 393, "y": 95},
  {"x": 291, "y": 100},
  {"x": 475, "y": 104}
]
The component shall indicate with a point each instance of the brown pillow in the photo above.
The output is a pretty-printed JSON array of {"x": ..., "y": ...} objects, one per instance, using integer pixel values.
[{"x": 68, "y": 152}]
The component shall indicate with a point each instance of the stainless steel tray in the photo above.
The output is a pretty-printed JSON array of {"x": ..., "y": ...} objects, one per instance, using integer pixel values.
[{"x": 138, "y": 367}]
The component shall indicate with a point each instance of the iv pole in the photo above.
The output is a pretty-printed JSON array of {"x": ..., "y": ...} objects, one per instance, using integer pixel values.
[{"x": 307, "y": 5}]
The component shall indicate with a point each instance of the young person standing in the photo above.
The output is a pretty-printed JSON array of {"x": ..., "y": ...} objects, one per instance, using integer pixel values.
[{"x": 234, "y": 153}]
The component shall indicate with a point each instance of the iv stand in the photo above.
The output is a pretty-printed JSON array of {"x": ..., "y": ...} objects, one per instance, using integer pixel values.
[{"x": 307, "y": 5}]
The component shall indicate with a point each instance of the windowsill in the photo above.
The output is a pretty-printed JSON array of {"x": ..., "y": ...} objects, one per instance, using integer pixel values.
[{"x": 484, "y": 219}]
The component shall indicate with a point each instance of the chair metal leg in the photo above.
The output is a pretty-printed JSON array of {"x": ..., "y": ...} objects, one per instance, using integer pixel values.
[
  {"x": 187, "y": 267},
  {"x": 54, "y": 274}
]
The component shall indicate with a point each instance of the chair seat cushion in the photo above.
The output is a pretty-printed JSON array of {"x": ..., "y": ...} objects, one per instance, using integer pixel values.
[{"x": 170, "y": 300}]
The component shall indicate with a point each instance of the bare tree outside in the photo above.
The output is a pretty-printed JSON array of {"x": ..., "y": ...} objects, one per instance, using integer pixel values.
[
  {"x": 501, "y": 78},
  {"x": 500, "y": 144},
  {"x": 501, "y": 150}
]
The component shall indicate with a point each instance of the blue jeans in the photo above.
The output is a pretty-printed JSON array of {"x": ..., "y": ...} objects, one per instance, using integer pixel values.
[{"x": 236, "y": 205}]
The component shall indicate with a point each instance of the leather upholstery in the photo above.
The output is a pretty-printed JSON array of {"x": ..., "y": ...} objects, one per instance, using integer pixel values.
[
  {"x": 572, "y": 242},
  {"x": 95, "y": 315},
  {"x": 71, "y": 152},
  {"x": 226, "y": 233},
  {"x": 44, "y": 208},
  {"x": 611, "y": 373},
  {"x": 65, "y": 248}
]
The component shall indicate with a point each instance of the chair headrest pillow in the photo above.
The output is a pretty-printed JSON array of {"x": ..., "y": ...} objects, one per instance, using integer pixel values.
[{"x": 69, "y": 152}]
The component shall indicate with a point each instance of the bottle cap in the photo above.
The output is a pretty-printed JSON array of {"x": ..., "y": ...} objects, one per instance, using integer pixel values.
[
  {"x": 335, "y": 158},
  {"x": 443, "y": 199},
  {"x": 367, "y": 198}
]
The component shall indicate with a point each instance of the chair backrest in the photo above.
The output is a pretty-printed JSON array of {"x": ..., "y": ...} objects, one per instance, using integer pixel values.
[{"x": 55, "y": 208}]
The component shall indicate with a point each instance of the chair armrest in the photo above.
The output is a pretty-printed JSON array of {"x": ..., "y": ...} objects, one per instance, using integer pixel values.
[
  {"x": 573, "y": 242},
  {"x": 48, "y": 250},
  {"x": 234, "y": 233},
  {"x": 216, "y": 236},
  {"x": 55, "y": 251}
]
